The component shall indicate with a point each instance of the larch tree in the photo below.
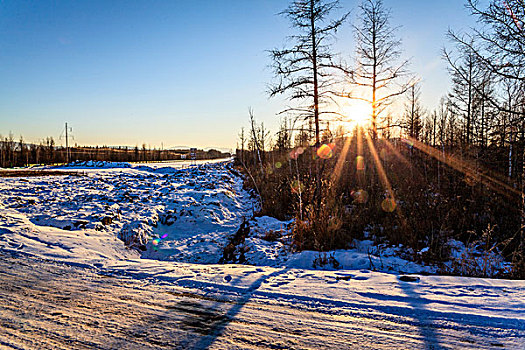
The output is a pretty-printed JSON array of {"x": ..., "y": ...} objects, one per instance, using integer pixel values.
[
  {"x": 499, "y": 48},
  {"x": 485, "y": 110},
  {"x": 498, "y": 45},
  {"x": 242, "y": 139},
  {"x": 414, "y": 111},
  {"x": 303, "y": 69},
  {"x": 379, "y": 75},
  {"x": 465, "y": 72}
]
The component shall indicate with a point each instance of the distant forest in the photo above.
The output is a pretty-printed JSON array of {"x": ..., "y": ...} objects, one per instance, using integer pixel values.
[{"x": 18, "y": 153}]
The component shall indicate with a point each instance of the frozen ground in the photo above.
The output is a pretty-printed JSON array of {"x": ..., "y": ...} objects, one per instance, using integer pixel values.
[
  {"x": 172, "y": 211},
  {"x": 195, "y": 209},
  {"x": 184, "y": 218}
]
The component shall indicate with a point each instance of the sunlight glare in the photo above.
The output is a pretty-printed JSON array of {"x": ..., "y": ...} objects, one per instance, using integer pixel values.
[{"x": 358, "y": 112}]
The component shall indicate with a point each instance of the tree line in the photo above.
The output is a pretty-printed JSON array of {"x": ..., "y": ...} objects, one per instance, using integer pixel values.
[
  {"x": 17, "y": 153},
  {"x": 485, "y": 105}
]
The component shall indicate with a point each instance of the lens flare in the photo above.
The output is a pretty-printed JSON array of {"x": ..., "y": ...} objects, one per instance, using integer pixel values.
[
  {"x": 156, "y": 241},
  {"x": 388, "y": 205},
  {"x": 360, "y": 163},
  {"x": 410, "y": 143},
  {"x": 278, "y": 165},
  {"x": 294, "y": 154},
  {"x": 360, "y": 196},
  {"x": 297, "y": 186},
  {"x": 325, "y": 152}
]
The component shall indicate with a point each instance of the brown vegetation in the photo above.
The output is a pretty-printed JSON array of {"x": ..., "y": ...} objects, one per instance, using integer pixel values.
[{"x": 423, "y": 203}]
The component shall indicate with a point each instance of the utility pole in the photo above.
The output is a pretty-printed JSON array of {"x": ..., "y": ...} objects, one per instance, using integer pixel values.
[{"x": 67, "y": 147}]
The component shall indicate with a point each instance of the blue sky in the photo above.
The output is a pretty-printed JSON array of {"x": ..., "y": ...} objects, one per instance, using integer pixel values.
[{"x": 171, "y": 72}]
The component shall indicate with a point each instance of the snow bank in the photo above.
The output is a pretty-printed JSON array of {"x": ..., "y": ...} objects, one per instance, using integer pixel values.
[{"x": 88, "y": 246}]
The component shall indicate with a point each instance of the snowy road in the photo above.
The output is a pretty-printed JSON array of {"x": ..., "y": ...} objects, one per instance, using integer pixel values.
[{"x": 48, "y": 305}]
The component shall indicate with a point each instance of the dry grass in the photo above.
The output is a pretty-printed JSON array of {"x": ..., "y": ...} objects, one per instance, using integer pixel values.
[{"x": 433, "y": 201}]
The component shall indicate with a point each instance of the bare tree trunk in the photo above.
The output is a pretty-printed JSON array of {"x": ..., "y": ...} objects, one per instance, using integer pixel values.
[
  {"x": 521, "y": 247},
  {"x": 469, "y": 102},
  {"x": 510, "y": 157},
  {"x": 483, "y": 124},
  {"x": 374, "y": 90},
  {"x": 314, "y": 67},
  {"x": 255, "y": 140}
]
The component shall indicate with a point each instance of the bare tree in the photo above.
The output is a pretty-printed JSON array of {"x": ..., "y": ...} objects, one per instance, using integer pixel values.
[
  {"x": 302, "y": 69},
  {"x": 379, "y": 71},
  {"x": 264, "y": 139},
  {"x": 255, "y": 139},
  {"x": 24, "y": 157},
  {"x": 442, "y": 114},
  {"x": 465, "y": 72},
  {"x": 284, "y": 135},
  {"x": 433, "y": 124},
  {"x": 502, "y": 37},
  {"x": 414, "y": 111},
  {"x": 498, "y": 43},
  {"x": 486, "y": 111},
  {"x": 242, "y": 138}
]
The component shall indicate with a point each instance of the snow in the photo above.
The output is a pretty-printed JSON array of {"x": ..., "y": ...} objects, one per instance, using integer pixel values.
[
  {"x": 177, "y": 220},
  {"x": 198, "y": 207},
  {"x": 475, "y": 260},
  {"x": 179, "y": 212},
  {"x": 96, "y": 164}
]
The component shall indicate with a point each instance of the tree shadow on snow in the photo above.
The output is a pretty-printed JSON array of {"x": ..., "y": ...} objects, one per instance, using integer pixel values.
[
  {"x": 221, "y": 321},
  {"x": 192, "y": 321},
  {"x": 417, "y": 303}
]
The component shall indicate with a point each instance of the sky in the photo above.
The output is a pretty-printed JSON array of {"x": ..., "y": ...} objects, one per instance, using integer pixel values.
[{"x": 173, "y": 73}]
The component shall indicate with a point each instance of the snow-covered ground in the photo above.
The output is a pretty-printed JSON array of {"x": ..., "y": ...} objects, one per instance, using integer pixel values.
[
  {"x": 178, "y": 220},
  {"x": 173, "y": 211},
  {"x": 191, "y": 211}
]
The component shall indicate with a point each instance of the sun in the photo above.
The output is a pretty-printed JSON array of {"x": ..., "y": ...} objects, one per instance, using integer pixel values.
[{"x": 358, "y": 112}]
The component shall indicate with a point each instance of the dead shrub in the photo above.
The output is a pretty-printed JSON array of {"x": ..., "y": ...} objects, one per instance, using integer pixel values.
[{"x": 272, "y": 236}]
